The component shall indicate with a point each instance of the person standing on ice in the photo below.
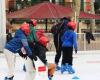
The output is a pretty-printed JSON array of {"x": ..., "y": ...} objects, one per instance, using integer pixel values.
[
  {"x": 69, "y": 39},
  {"x": 13, "y": 47},
  {"x": 57, "y": 31}
]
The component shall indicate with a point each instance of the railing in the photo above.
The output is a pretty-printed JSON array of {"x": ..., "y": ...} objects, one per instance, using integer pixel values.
[{"x": 83, "y": 45}]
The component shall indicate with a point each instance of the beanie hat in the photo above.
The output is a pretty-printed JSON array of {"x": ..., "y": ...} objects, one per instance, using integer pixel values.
[
  {"x": 25, "y": 27},
  {"x": 34, "y": 22},
  {"x": 72, "y": 25}
]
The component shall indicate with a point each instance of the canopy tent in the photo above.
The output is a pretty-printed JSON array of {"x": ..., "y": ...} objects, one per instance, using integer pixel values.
[
  {"x": 84, "y": 15},
  {"x": 48, "y": 10},
  {"x": 42, "y": 11}
]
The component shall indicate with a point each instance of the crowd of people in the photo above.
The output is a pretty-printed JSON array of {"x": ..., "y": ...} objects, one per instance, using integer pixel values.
[{"x": 30, "y": 44}]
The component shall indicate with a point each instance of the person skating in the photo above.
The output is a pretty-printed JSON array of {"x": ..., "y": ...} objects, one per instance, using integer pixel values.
[
  {"x": 41, "y": 52},
  {"x": 37, "y": 42},
  {"x": 13, "y": 47},
  {"x": 69, "y": 39},
  {"x": 57, "y": 30},
  {"x": 31, "y": 38}
]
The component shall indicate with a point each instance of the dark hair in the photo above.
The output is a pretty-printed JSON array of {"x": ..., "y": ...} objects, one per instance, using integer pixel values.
[{"x": 66, "y": 19}]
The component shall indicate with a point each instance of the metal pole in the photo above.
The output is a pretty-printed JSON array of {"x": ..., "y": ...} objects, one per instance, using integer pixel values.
[
  {"x": 84, "y": 42},
  {"x": 46, "y": 24}
]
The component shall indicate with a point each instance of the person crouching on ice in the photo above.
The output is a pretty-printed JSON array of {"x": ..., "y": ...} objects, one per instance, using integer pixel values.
[
  {"x": 41, "y": 50},
  {"x": 13, "y": 47}
]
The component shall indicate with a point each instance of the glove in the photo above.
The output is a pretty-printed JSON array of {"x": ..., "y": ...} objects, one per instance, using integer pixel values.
[
  {"x": 75, "y": 51},
  {"x": 21, "y": 54},
  {"x": 34, "y": 57},
  {"x": 51, "y": 69}
]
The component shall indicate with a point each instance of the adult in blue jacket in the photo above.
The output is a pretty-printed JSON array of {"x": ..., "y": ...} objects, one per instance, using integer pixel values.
[
  {"x": 69, "y": 40},
  {"x": 13, "y": 47}
]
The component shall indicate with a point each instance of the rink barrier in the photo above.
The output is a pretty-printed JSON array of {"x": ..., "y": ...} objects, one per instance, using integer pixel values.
[{"x": 81, "y": 40}]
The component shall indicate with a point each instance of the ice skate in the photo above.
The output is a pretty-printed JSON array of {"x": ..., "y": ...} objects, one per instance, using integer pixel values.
[
  {"x": 70, "y": 70},
  {"x": 10, "y": 78},
  {"x": 50, "y": 78},
  {"x": 63, "y": 69},
  {"x": 66, "y": 66},
  {"x": 58, "y": 68}
]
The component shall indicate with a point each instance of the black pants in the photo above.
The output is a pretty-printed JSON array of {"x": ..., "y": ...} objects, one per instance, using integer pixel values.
[
  {"x": 58, "y": 50},
  {"x": 67, "y": 55},
  {"x": 40, "y": 52},
  {"x": 57, "y": 56}
]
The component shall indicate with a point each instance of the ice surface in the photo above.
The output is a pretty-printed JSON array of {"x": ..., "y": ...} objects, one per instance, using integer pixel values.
[{"x": 86, "y": 65}]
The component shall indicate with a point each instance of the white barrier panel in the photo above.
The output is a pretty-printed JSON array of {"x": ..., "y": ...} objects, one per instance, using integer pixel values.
[{"x": 41, "y": 71}]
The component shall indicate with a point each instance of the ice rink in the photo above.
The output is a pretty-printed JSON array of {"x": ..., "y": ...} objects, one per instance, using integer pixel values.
[{"x": 86, "y": 65}]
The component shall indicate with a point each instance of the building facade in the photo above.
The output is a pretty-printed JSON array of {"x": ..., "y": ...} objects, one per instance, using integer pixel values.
[
  {"x": 10, "y": 5},
  {"x": 18, "y": 4}
]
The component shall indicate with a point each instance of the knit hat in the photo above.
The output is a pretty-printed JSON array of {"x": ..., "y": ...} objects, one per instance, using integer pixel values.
[
  {"x": 34, "y": 22},
  {"x": 72, "y": 25},
  {"x": 25, "y": 27}
]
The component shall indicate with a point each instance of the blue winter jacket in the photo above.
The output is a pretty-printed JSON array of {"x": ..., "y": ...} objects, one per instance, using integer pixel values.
[
  {"x": 18, "y": 42},
  {"x": 69, "y": 39}
]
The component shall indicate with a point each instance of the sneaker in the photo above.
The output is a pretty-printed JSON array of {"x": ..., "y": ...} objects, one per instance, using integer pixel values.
[
  {"x": 63, "y": 69},
  {"x": 10, "y": 78},
  {"x": 58, "y": 68},
  {"x": 70, "y": 70}
]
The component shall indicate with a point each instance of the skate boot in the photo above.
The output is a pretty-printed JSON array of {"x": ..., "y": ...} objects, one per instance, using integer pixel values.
[
  {"x": 10, "y": 78},
  {"x": 57, "y": 68},
  {"x": 63, "y": 69},
  {"x": 50, "y": 78},
  {"x": 24, "y": 68},
  {"x": 66, "y": 66},
  {"x": 70, "y": 70}
]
